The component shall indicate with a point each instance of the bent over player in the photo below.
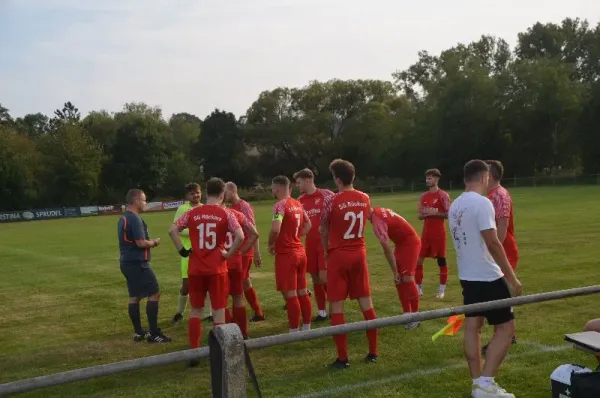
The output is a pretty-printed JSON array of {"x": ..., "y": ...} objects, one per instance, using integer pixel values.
[
  {"x": 433, "y": 208},
  {"x": 342, "y": 234},
  {"x": 134, "y": 248},
  {"x": 207, "y": 272},
  {"x": 389, "y": 226},
  {"x": 290, "y": 223},
  {"x": 312, "y": 200}
]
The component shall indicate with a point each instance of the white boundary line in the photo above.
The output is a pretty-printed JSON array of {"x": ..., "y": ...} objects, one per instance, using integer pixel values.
[{"x": 540, "y": 348}]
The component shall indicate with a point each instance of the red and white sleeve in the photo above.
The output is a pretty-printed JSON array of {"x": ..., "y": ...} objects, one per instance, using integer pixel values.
[
  {"x": 380, "y": 228},
  {"x": 327, "y": 206},
  {"x": 183, "y": 221},
  {"x": 232, "y": 222}
]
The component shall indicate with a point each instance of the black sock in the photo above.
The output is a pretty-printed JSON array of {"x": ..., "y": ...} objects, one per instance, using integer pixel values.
[
  {"x": 134, "y": 314},
  {"x": 152, "y": 313}
]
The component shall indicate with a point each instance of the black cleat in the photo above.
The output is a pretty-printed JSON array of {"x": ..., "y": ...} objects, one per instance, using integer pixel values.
[
  {"x": 339, "y": 364},
  {"x": 514, "y": 340},
  {"x": 285, "y": 307},
  {"x": 193, "y": 363},
  {"x": 320, "y": 318},
  {"x": 158, "y": 337},
  {"x": 208, "y": 319},
  {"x": 257, "y": 318},
  {"x": 371, "y": 358},
  {"x": 176, "y": 318},
  {"x": 246, "y": 337},
  {"x": 137, "y": 337}
]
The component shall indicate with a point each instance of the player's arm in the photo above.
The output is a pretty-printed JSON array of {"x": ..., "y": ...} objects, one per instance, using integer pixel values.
[
  {"x": 181, "y": 211},
  {"x": 249, "y": 213},
  {"x": 487, "y": 226},
  {"x": 137, "y": 232},
  {"x": 306, "y": 225},
  {"x": 179, "y": 225},
  {"x": 324, "y": 226},
  {"x": 502, "y": 209},
  {"x": 238, "y": 235},
  {"x": 278, "y": 212},
  {"x": 502, "y": 225},
  {"x": 420, "y": 210},
  {"x": 381, "y": 232},
  {"x": 252, "y": 237}
]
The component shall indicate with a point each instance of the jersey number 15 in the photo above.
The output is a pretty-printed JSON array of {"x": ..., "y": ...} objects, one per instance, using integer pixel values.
[{"x": 207, "y": 237}]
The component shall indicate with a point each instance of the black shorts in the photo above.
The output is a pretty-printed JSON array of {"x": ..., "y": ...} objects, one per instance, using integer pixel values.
[
  {"x": 141, "y": 281},
  {"x": 478, "y": 292}
]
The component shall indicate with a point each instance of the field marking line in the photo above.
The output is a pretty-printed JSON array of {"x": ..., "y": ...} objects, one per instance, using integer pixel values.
[{"x": 540, "y": 348}]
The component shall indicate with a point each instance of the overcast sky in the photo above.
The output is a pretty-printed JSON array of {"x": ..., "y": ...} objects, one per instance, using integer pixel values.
[{"x": 195, "y": 55}]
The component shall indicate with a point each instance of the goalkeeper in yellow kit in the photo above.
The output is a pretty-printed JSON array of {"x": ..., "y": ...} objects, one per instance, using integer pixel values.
[{"x": 192, "y": 195}]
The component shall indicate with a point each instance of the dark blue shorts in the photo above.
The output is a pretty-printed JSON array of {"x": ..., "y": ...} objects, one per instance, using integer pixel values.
[{"x": 141, "y": 281}]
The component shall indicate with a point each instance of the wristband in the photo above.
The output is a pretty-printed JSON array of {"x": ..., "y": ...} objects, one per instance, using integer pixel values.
[{"x": 184, "y": 252}]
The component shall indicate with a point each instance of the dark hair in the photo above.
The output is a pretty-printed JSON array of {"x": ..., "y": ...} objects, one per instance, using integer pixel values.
[
  {"x": 215, "y": 187},
  {"x": 281, "y": 180},
  {"x": 433, "y": 172},
  {"x": 192, "y": 187},
  {"x": 344, "y": 170},
  {"x": 133, "y": 195},
  {"x": 496, "y": 169},
  {"x": 474, "y": 168},
  {"x": 304, "y": 173}
]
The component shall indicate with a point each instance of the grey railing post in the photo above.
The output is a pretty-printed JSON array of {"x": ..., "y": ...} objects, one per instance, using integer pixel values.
[{"x": 227, "y": 362}]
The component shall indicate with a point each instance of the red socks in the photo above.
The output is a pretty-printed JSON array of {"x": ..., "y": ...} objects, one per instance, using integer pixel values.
[
  {"x": 320, "y": 296},
  {"x": 443, "y": 275},
  {"x": 194, "y": 332},
  {"x": 419, "y": 274},
  {"x": 305, "y": 309},
  {"x": 241, "y": 319},
  {"x": 409, "y": 296},
  {"x": 252, "y": 300},
  {"x": 371, "y": 333},
  {"x": 293, "y": 311},
  {"x": 341, "y": 340}
]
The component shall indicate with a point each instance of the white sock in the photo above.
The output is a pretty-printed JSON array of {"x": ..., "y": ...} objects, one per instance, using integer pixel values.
[
  {"x": 293, "y": 330},
  {"x": 442, "y": 288},
  {"x": 322, "y": 313},
  {"x": 484, "y": 381},
  {"x": 306, "y": 326},
  {"x": 420, "y": 287},
  {"x": 181, "y": 303}
]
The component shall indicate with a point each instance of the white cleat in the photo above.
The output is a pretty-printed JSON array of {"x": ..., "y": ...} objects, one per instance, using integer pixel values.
[
  {"x": 440, "y": 295},
  {"x": 491, "y": 390},
  {"x": 421, "y": 291},
  {"x": 412, "y": 325}
]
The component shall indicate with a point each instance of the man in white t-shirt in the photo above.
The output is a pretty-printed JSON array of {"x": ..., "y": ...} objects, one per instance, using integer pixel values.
[{"x": 485, "y": 275}]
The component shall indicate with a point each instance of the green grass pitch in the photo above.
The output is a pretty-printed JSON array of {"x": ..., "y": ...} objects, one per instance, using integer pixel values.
[{"x": 63, "y": 305}]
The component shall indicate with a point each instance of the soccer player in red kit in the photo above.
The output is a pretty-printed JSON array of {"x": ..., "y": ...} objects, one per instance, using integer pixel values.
[
  {"x": 389, "y": 226},
  {"x": 236, "y": 272},
  {"x": 232, "y": 197},
  {"x": 342, "y": 234},
  {"x": 505, "y": 224},
  {"x": 433, "y": 208},
  {"x": 290, "y": 224},
  {"x": 312, "y": 200},
  {"x": 207, "y": 271}
]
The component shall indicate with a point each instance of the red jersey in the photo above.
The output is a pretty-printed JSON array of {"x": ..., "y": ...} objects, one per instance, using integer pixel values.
[
  {"x": 293, "y": 217},
  {"x": 235, "y": 261},
  {"x": 313, "y": 205},
  {"x": 208, "y": 226},
  {"x": 246, "y": 209},
  {"x": 346, "y": 212},
  {"x": 388, "y": 225},
  {"x": 503, "y": 208},
  {"x": 434, "y": 227}
]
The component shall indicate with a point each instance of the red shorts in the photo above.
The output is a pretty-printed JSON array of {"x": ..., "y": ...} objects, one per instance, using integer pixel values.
[
  {"x": 246, "y": 265},
  {"x": 290, "y": 271},
  {"x": 217, "y": 286},
  {"x": 236, "y": 287},
  {"x": 347, "y": 275},
  {"x": 315, "y": 259},
  {"x": 406, "y": 256},
  {"x": 433, "y": 247}
]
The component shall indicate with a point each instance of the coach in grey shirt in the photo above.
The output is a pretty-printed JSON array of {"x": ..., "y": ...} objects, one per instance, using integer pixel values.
[{"x": 485, "y": 275}]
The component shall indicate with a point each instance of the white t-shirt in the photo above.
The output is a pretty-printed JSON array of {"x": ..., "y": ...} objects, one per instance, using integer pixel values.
[{"x": 470, "y": 214}]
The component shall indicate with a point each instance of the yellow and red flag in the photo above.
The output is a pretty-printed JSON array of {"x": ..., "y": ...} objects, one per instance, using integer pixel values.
[{"x": 454, "y": 324}]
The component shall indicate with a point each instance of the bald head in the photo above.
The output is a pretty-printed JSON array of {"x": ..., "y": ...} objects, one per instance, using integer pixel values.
[{"x": 231, "y": 193}]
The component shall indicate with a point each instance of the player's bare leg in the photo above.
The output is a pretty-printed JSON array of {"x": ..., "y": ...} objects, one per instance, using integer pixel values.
[
  {"x": 336, "y": 311},
  {"x": 441, "y": 261},
  {"x": 293, "y": 310},
  {"x": 419, "y": 275},
  {"x": 239, "y": 314},
  {"x": 366, "y": 306},
  {"x": 182, "y": 301},
  {"x": 305, "y": 308},
  {"x": 320, "y": 294},
  {"x": 252, "y": 299},
  {"x": 472, "y": 344},
  {"x": 409, "y": 297},
  {"x": 496, "y": 353}
]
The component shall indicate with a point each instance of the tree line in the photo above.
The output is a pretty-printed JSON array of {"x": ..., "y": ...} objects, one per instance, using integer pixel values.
[{"x": 535, "y": 107}]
